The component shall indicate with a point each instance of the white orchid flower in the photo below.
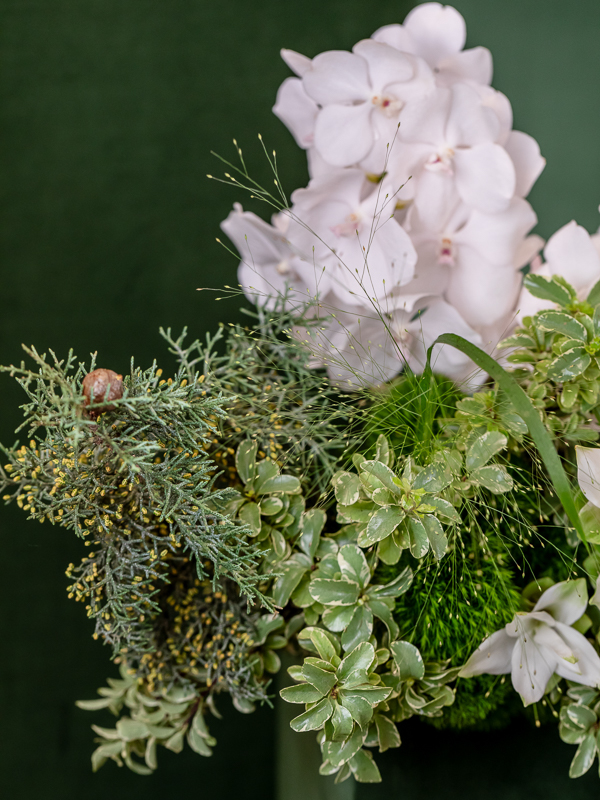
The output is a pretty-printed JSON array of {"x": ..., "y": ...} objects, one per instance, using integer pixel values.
[
  {"x": 269, "y": 265},
  {"x": 471, "y": 258},
  {"x": 537, "y": 644},
  {"x": 457, "y": 133},
  {"x": 437, "y": 34},
  {"x": 571, "y": 253},
  {"x": 361, "y": 95},
  {"x": 362, "y": 252},
  {"x": 366, "y": 349},
  {"x": 297, "y": 111}
]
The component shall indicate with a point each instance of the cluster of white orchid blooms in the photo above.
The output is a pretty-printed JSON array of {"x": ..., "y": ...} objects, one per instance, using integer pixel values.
[{"x": 414, "y": 222}]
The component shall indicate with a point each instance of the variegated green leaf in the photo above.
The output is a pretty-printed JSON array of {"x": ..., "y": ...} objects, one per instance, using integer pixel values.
[{"x": 314, "y": 718}]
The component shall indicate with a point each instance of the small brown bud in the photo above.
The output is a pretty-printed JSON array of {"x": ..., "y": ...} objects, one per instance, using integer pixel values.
[{"x": 102, "y": 386}]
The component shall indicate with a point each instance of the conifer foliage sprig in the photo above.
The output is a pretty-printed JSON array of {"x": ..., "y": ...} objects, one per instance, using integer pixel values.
[
  {"x": 133, "y": 483},
  {"x": 274, "y": 394}
]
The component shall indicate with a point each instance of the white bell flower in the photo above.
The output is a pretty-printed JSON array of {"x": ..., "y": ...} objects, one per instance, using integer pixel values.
[
  {"x": 537, "y": 644},
  {"x": 588, "y": 473},
  {"x": 437, "y": 34}
]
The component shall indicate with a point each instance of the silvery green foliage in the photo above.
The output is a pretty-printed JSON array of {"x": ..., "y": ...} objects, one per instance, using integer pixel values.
[
  {"x": 578, "y": 725},
  {"x": 169, "y": 718},
  {"x": 134, "y": 483},
  {"x": 417, "y": 687}
]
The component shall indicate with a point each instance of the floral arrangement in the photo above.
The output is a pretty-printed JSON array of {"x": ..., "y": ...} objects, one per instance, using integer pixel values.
[{"x": 389, "y": 480}]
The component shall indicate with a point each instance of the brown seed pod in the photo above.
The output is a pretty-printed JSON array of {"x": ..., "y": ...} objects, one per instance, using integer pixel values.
[{"x": 102, "y": 386}]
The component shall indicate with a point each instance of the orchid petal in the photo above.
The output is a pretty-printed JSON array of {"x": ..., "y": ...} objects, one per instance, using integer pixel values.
[
  {"x": 343, "y": 134},
  {"x": 425, "y": 120},
  {"x": 499, "y": 105},
  {"x": 588, "y": 473},
  {"x": 337, "y": 77},
  {"x": 497, "y": 236},
  {"x": 387, "y": 261},
  {"x": 396, "y": 36},
  {"x": 470, "y": 65},
  {"x": 492, "y": 657},
  {"x": 265, "y": 283},
  {"x": 431, "y": 277},
  {"x": 391, "y": 256},
  {"x": 481, "y": 292},
  {"x": 297, "y": 111},
  {"x": 437, "y": 31},
  {"x": 485, "y": 177},
  {"x": 256, "y": 241},
  {"x": 435, "y": 199},
  {"x": 529, "y": 162},
  {"x": 469, "y": 122},
  {"x": 571, "y": 254},
  {"x": 386, "y": 64},
  {"x": 296, "y": 61},
  {"x": 528, "y": 249},
  {"x": 317, "y": 166}
]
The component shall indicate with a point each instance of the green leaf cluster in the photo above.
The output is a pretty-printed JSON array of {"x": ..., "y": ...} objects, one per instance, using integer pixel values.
[
  {"x": 560, "y": 348},
  {"x": 340, "y": 696},
  {"x": 578, "y": 724},
  {"x": 169, "y": 719}
]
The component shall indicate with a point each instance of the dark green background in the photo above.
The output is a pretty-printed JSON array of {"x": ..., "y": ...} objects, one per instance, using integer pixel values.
[{"x": 109, "y": 111}]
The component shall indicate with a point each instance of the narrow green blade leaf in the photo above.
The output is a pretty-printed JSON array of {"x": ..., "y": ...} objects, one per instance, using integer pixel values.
[{"x": 530, "y": 416}]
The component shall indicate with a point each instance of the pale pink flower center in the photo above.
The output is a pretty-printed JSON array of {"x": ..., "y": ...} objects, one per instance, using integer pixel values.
[
  {"x": 446, "y": 255},
  {"x": 402, "y": 336},
  {"x": 348, "y": 227},
  {"x": 387, "y": 104},
  {"x": 441, "y": 161}
]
